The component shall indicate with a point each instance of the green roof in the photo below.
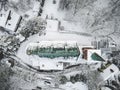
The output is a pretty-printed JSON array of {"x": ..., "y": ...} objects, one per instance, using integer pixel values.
[
  {"x": 51, "y": 52},
  {"x": 96, "y": 57}
]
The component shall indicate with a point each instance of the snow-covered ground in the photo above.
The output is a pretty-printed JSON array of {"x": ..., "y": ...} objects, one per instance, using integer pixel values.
[
  {"x": 51, "y": 10},
  {"x": 50, "y": 36},
  {"x": 76, "y": 86},
  {"x": 69, "y": 33}
]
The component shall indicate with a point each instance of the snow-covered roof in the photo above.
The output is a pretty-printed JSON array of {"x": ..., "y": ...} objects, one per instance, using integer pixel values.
[
  {"x": 32, "y": 12},
  {"x": 52, "y": 25},
  {"x": 48, "y": 65},
  {"x": 107, "y": 73},
  {"x": 11, "y": 22},
  {"x": 76, "y": 86},
  {"x": 3, "y": 18},
  {"x": 55, "y": 44}
]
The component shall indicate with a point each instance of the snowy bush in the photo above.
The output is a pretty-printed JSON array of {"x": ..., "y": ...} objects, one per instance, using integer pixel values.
[
  {"x": 9, "y": 44},
  {"x": 72, "y": 79},
  {"x": 33, "y": 26},
  {"x": 63, "y": 79},
  {"x": 78, "y": 78}
]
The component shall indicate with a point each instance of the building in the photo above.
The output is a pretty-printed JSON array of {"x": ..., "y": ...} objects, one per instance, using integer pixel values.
[
  {"x": 52, "y": 25},
  {"x": 91, "y": 54},
  {"x": 54, "y": 49},
  {"x": 10, "y": 20},
  {"x": 53, "y": 55},
  {"x": 100, "y": 43},
  {"x": 84, "y": 52},
  {"x": 103, "y": 43},
  {"x": 94, "y": 55},
  {"x": 48, "y": 65},
  {"x": 108, "y": 53},
  {"x": 109, "y": 71}
]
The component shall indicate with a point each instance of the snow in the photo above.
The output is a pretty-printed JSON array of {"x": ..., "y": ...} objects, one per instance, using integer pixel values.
[
  {"x": 50, "y": 36},
  {"x": 100, "y": 4},
  {"x": 51, "y": 66},
  {"x": 26, "y": 80},
  {"x": 36, "y": 7},
  {"x": 105, "y": 88},
  {"x": 51, "y": 10},
  {"x": 72, "y": 26},
  {"x": 31, "y": 9},
  {"x": 76, "y": 86}
]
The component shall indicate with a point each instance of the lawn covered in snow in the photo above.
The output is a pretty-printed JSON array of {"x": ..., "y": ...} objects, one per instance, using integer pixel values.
[{"x": 76, "y": 86}]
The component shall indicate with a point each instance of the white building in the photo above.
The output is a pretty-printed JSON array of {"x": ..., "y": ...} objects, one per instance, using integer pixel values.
[
  {"x": 52, "y": 25},
  {"x": 42, "y": 62},
  {"x": 109, "y": 71},
  {"x": 10, "y": 20}
]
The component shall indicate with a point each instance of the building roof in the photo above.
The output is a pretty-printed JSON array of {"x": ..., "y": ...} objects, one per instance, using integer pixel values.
[
  {"x": 52, "y": 49},
  {"x": 13, "y": 21},
  {"x": 9, "y": 20},
  {"x": 109, "y": 71},
  {"x": 94, "y": 55},
  {"x": 47, "y": 65},
  {"x": 52, "y": 25}
]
